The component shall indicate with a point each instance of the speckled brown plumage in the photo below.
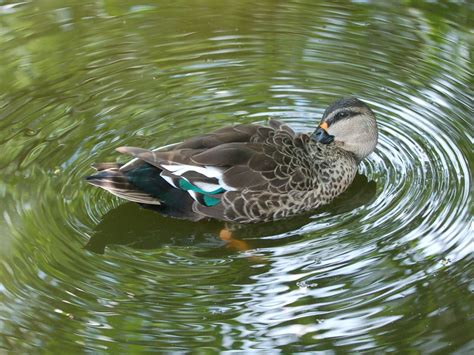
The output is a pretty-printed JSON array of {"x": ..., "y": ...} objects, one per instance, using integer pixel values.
[{"x": 244, "y": 173}]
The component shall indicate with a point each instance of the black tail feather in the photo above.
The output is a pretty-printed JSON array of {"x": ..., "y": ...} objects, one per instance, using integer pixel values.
[
  {"x": 146, "y": 186},
  {"x": 117, "y": 183}
]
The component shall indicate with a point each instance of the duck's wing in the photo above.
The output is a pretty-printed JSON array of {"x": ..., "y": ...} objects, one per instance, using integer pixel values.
[
  {"x": 201, "y": 176},
  {"x": 234, "y": 159}
]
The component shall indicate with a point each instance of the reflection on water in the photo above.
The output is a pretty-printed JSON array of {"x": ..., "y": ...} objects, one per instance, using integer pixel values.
[
  {"x": 130, "y": 225},
  {"x": 387, "y": 267}
]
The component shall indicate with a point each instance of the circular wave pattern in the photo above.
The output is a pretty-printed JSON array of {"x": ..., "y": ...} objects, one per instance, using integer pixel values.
[{"x": 385, "y": 267}]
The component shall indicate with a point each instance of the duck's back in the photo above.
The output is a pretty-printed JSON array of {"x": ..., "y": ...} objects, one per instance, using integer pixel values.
[{"x": 245, "y": 173}]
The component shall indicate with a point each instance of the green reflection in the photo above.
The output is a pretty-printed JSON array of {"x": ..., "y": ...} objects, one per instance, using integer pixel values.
[{"x": 388, "y": 267}]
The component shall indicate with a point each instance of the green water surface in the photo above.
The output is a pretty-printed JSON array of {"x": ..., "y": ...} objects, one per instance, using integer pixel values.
[{"x": 388, "y": 267}]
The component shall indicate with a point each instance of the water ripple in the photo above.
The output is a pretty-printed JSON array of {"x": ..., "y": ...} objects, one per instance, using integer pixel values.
[{"x": 384, "y": 268}]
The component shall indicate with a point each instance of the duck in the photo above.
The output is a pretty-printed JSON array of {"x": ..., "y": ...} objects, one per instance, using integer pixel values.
[{"x": 247, "y": 173}]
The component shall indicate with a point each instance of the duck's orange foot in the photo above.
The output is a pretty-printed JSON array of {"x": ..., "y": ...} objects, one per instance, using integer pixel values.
[{"x": 235, "y": 244}]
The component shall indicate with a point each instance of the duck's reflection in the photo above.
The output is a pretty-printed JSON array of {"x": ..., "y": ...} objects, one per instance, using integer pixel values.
[{"x": 139, "y": 228}]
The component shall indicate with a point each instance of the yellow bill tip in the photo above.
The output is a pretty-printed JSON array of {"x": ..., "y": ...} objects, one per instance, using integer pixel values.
[{"x": 324, "y": 126}]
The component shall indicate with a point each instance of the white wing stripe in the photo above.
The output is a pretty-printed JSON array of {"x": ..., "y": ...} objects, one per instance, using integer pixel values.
[
  {"x": 208, "y": 171},
  {"x": 180, "y": 169},
  {"x": 169, "y": 180},
  {"x": 206, "y": 186},
  {"x": 193, "y": 195}
]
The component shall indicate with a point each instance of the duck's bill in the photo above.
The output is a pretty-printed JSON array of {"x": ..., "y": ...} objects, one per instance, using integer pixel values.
[{"x": 321, "y": 136}]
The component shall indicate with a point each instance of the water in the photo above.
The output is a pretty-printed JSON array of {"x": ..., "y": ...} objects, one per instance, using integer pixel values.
[{"x": 387, "y": 267}]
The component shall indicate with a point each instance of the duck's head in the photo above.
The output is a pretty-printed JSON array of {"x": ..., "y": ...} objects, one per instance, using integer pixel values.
[{"x": 351, "y": 125}]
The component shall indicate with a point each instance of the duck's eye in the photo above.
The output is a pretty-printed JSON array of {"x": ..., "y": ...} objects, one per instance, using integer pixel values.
[{"x": 341, "y": 114}]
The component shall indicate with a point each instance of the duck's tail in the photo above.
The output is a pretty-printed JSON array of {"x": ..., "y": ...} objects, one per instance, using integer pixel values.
[
  {"x": 109, "y": 177},
  {"x": 144, "y": 184}
]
